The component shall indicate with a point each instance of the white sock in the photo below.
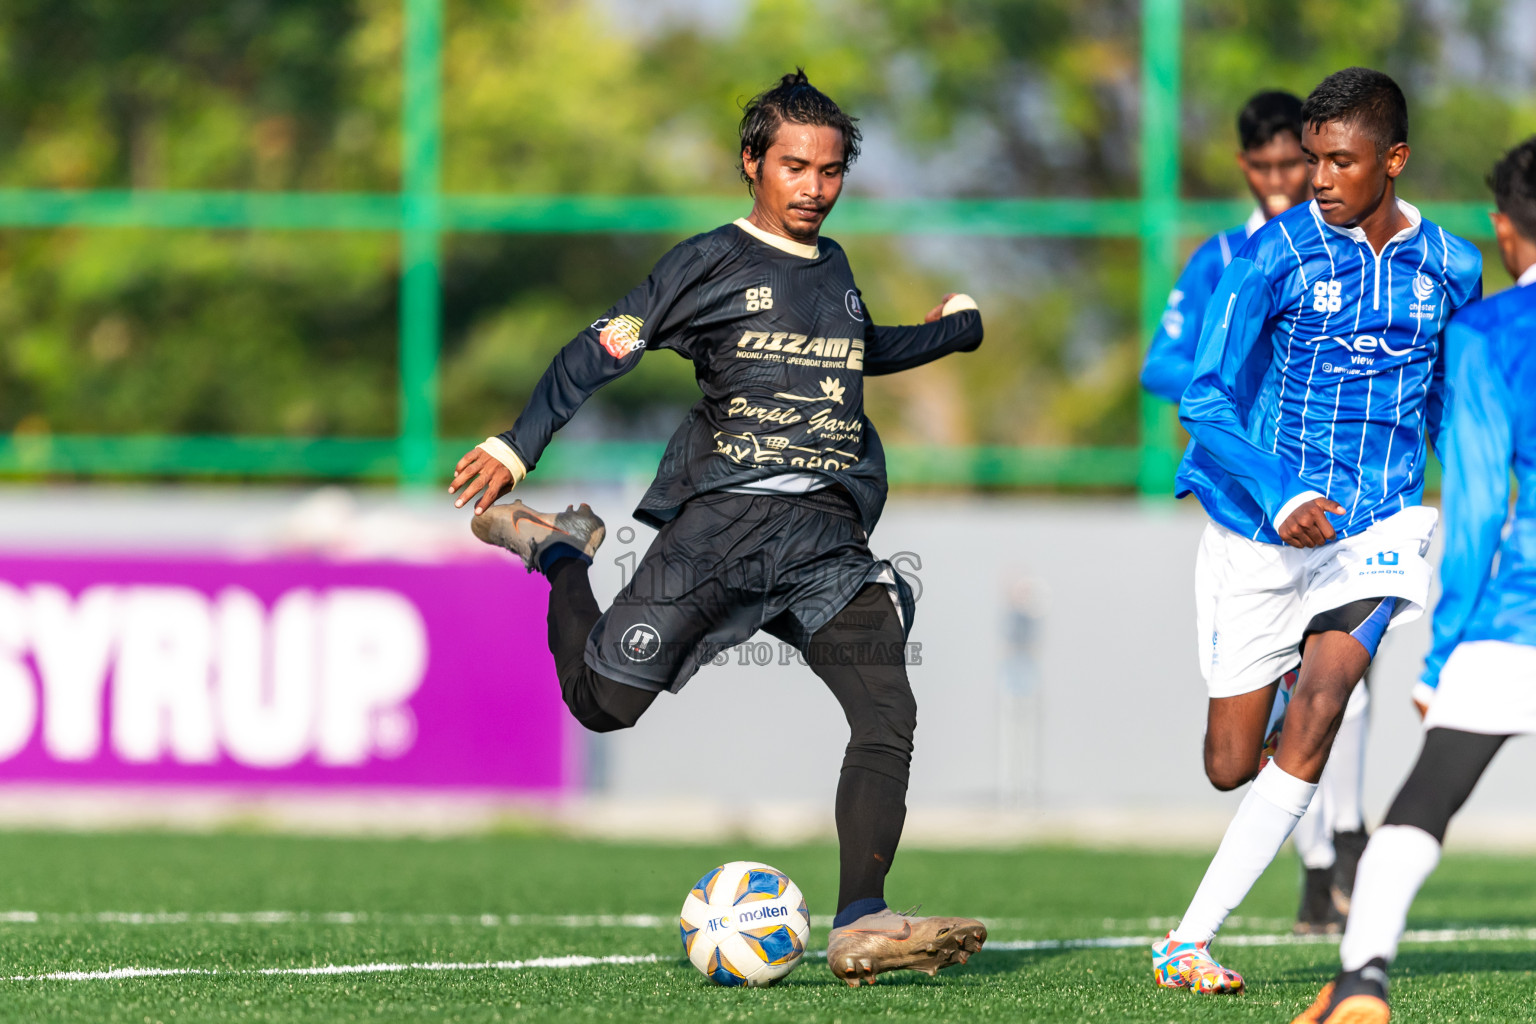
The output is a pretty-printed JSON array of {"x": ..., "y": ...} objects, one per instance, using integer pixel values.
[
  {"x": 1313, "y": 837},
  {"x": 1275, "y": 802},
  {"x": 1395, "y": 863},
  {"x": 1344, "y": 778}
]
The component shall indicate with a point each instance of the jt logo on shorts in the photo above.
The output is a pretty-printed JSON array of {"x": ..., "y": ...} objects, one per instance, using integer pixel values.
[{"x": 640, "y": 643}]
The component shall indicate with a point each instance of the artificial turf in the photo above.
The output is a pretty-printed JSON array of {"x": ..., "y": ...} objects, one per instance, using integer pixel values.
[{"x": 447, "y": 902}]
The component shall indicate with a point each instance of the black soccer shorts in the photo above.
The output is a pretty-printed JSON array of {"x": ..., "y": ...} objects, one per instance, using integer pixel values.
[{"x": 727, "y": 566}]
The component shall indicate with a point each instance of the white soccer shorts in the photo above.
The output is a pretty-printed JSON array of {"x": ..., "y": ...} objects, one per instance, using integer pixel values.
[
  {"x": 1486, "y": 686},
  {"x": 1253, "y": 600}
]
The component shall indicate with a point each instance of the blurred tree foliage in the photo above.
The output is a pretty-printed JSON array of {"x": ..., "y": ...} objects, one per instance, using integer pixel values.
[{"x": 294, "y": 332}]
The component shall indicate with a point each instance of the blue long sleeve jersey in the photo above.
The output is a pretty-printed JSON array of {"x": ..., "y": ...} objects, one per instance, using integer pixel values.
[
  {"x": 1170, "y": 360},
  {"x": 1490, "y": 427},
  {"x": 1319, "y": 373}
]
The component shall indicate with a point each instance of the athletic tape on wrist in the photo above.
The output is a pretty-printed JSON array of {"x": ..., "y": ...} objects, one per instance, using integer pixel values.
[
  {"x": 502, "y": 452},
  {"x": 958, "y": 303}
]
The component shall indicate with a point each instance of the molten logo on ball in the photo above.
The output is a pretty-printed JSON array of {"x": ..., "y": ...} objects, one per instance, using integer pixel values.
[{"x": 744, "y": 923}]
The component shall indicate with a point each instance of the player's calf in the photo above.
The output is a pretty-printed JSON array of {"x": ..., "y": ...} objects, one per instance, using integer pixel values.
[
  {"x": 1332, "y": 663},
  {"x": 1348, "y": 847},
  {"x": 1319, "y": 913}
]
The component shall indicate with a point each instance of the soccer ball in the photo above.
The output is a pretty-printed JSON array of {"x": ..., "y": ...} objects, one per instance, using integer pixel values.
[{"x": 745, "y": 923}]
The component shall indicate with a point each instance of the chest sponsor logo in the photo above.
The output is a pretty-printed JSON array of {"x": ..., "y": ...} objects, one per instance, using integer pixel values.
[
  {"x": 620, "y": 335},
  {"x": 1423, "y": 291},
  {"x": 801, "y": 350},
  {"x": 1358, "y": 352},
  {"x": 821, "y": 440},
  {"x": 855, "y": 307}
]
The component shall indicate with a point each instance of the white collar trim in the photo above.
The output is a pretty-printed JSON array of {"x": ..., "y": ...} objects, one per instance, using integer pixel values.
[
  {"x": 1407, "y": 209},
  {"x": 1527, "y": 277},
  {"x": 789, "y": 245},
  {"x": 1255, "y": 221}
]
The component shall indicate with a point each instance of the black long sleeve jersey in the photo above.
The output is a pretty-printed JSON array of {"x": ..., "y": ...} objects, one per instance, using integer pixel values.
[{"x": 780, "y": 344}]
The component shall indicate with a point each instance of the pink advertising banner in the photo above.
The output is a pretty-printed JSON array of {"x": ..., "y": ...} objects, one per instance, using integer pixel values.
[{"x": 278, "y": 673}]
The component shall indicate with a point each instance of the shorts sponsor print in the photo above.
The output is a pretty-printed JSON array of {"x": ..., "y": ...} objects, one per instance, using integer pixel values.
[{"x": 1253, "y": 600}]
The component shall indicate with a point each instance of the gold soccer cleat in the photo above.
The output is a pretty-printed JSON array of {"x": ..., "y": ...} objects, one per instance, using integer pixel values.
[
  {"x": 529, "y": 534},
  {"x": 888, "y": 941}
]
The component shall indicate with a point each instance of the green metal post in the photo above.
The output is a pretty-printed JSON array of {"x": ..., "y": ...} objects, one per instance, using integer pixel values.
[
  {"x": 1160, "y": 213},
  {"x": 421, "y": 240}
]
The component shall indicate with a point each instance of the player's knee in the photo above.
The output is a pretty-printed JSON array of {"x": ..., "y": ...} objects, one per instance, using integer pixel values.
[
  {"x": 1227, "y": 768},
  {"x": 601, "y": 704},
  {"x": 598, "y": 720},
  {"x": 1227, "y": 774},
  {"x": 885, "y": 734}
]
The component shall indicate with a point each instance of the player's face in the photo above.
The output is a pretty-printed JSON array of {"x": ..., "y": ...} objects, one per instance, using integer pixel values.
[
  {"x": 1350, "y": 178},
  {"x": 798, "y": 179},
  {"x": 1277, "y": 174}
]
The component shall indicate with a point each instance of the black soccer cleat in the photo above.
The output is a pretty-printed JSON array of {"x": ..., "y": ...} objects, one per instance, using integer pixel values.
[
  {"x": 1347, "y": 847},
  {"x": 530, "y": 534},
  {"x": 1318, "y": 914},
  {"x": 1354, "y": 997}
]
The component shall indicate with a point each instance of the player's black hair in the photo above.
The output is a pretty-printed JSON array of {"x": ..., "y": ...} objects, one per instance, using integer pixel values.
[
  {"x": 1513, "y": 180},
  {"x": 796, "y": 100},
  {"x": 1362, "y": 97},
  {"x": 1266, "y": 115}
]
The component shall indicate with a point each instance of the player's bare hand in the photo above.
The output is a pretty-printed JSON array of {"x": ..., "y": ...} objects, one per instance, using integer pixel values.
[
  {"x": 480, "y": 471},
  {"x": 1308, "y": 526},
  {"x": 1420, "y": 707},
  {"x": 938, "y": 311}
]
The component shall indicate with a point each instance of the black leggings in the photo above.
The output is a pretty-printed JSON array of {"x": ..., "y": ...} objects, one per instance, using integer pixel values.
[
  {"x": 1448, "y": 767},
  {"x": 859, "y": 655}
]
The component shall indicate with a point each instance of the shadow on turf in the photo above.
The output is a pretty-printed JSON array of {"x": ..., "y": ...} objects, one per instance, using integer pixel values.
[
  {"x": 1414, "y": 964},
  {"x": 1000, "y": 961}
]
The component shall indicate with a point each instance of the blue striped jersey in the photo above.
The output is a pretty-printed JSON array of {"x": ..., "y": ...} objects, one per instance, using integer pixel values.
[
  {"x": 1170, "y": 360},
  {"x": 1488, "y": 576},
  {"x": 1318, "y": 371}
]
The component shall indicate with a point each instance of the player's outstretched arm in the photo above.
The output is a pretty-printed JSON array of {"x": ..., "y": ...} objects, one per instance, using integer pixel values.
[
  {"x": 1235, "y": 326},
  {"x": 954, "y": 325},
  {"x": 1477, "y": 442},
  {"x": 650, "y": 316}
]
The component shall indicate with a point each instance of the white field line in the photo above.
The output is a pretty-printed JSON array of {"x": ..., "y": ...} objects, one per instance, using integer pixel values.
[
  {"x": 1423, "y": 936},
  {"x": 120, "y": 973},
  {"x": 276, "y": 917},
  {"x": 280, "y": 917}
]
